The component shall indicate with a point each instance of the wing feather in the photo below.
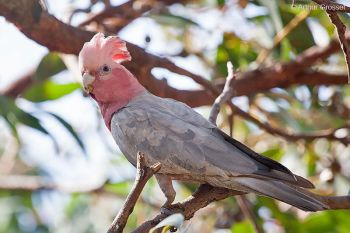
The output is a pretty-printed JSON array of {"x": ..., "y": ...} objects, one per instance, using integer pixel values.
[{"x": 175, "y": 135}]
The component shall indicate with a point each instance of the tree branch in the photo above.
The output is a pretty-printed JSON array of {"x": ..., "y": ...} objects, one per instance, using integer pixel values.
[
  {"x": 19, "y": 86},
  {"x": 246, "y": 208},
  {"x": 339, "y": 25},
  {"x": 43, "y": 28},
  {"x": 28, "y": 183},
  {"x": 204, "y": 195},
  {"x": 119, "y": 10},
  {"x": 329, "y": 134},
  {"x": 25, "y": 183},
  {"x": 341, "y": 29},
  {"x": 144, "y": 173},
  {"x": 225, "y": 95},
  {"x": 126, "y": 11}
]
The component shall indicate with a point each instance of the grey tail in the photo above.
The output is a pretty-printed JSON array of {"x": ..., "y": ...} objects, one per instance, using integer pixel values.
[{"x": 287, "y": 193}]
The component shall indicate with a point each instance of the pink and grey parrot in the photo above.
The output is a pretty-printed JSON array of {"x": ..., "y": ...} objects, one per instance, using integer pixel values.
[{"x": 188, "y": 146}]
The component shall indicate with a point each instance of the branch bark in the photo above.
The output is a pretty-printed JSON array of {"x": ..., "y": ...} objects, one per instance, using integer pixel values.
[
  {"x": 225, "y": 95},
  {"x": 204, "y": 195},
  {"x": 144, "y": 173},
  {"x": 341, "y": 29},
  {"x": 46, "y": 30}
]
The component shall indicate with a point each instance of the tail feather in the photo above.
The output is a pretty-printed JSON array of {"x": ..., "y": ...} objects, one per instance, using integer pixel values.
[
  {"x": 280, "y": 176},
  {"x": 289, "y": 194}
]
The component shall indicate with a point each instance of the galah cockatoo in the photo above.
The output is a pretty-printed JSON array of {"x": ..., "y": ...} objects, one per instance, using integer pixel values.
[{"x": 188, "y": 146}]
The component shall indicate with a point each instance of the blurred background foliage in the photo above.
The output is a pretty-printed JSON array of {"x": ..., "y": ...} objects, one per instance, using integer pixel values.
[{"x": 61, "y": 172}]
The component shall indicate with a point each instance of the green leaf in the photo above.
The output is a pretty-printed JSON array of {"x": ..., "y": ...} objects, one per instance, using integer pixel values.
[
  {"x": 221, "y": 3},
  {"x": 319, "y": 222},
  {"x": 44, "y": 89},
  {"x": 286, "y": 50},
  {"x": 275, "y": 154},
  {"x": 76, "y": 205},
  {"x": 50, "y": 65},
  {"x": 9, "y": 118},
  {"x": 15, "y": 115},
  {"x": 49, "y": 90},
  {"x": 243, "y": 227},
  {"x": 258, "y": 18},
  {"x": 121, "y": 188},
  {"x": 31, "y": 121},
  {"x": 300, "y": 38},
  {"x": 311, "y": 160},
  {"x": 322, "y": 17},
  {"x": 233, "y": 49},
  {"x": 173, "y": 20},
  {"x": 70, "y": 130}
]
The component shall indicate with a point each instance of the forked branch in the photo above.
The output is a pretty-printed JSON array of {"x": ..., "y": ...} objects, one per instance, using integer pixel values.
[{"x": 144, "y": 173}]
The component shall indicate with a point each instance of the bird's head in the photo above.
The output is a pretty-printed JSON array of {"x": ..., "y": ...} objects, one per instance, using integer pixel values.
[{"x": 104, "y": 78}]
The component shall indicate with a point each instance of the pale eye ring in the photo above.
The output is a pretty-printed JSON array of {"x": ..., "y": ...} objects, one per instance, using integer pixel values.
[{"x": 105, "y": 69}]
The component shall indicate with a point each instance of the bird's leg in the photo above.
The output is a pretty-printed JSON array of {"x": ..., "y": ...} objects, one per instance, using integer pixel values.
[{"x": 167, "y": 188}]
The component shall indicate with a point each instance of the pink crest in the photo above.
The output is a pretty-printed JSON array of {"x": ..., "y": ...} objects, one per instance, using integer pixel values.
[{"x": 111, "y": 46}]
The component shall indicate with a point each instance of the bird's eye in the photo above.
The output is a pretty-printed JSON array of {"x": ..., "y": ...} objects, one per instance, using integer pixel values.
[{"x": 105, "y": 69}]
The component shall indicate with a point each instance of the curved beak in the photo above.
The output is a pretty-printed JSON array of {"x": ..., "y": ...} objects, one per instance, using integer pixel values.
[{"x": 87, "y": 82}]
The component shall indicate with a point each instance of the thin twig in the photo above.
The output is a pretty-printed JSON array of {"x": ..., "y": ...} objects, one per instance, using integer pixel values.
[
  {"x": 109, "y": 12},
  {"x": 245, "y": 206},
  {"x": 144, "y": 173},
  {"x": 297, "y": 20},
  {"x": 228, "y": 92},
  {"x": 225, "y": 96},
  {"x": 293, "y": 3},
  {"x": 341, "y": 30},
  {"x": 329, "y": 134},
  {"x": 328, "y": 6}
]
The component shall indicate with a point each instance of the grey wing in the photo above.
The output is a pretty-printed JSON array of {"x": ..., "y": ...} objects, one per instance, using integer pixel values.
[
  {"x": 266, "y": 167},
  {"x": 182, "y": 146}
]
